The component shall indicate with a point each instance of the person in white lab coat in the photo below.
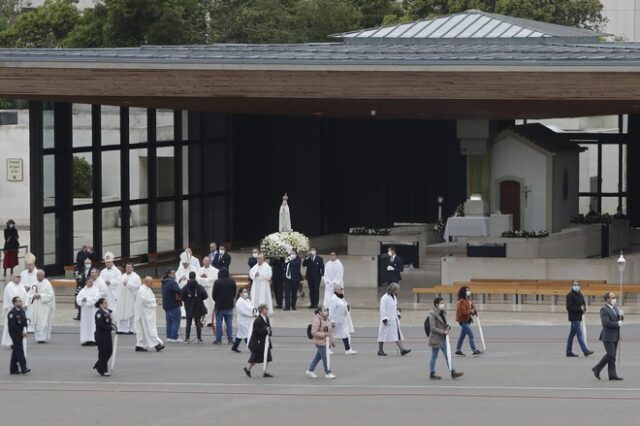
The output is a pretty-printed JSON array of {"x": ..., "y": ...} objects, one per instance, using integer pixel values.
[
  {"x": 124, "y": 310},
  {"x": 42, "y": 304},
  {"x": 333, "y": 275},
  {"x": 11, "y": 290},
  {"x": 389, "y": 329},
  {"x": 86, "y": 300},
  {"x": 145, "y": 319},
  {"x": 246, "y": 314},
  {"x": 341, "y": 318},
  {"x": 261, "y": 287}
]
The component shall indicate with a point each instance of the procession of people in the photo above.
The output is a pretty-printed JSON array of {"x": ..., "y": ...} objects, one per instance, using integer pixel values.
[{"x": 122, "y": 302}]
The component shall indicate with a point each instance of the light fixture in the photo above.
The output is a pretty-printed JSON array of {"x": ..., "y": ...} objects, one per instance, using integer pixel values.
[{"x": 476, "y": 197}]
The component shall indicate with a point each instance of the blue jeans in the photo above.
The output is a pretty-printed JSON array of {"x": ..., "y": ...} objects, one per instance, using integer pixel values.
[
  {"x": 576, "y": 330},
  {"x": 321, "y": 355},
  {"x": 466, "y": 331},
  {"x": 434, "y": 357},
  {"x": 227, "y": 315},
  {"x": 172, "y": 317}
]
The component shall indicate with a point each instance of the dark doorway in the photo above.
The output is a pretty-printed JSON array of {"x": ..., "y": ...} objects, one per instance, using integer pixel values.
[{"x": 510, "y": 200}]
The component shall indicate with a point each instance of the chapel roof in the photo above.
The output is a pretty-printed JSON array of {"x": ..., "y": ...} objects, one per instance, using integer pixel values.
[
  {"x": 545, "y": 138},
  {"x": 471, "y": 25}
]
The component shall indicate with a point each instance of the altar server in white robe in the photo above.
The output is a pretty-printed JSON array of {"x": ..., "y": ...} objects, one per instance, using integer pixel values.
[
  {"x": 86, "y": 299},
  {"x": 389, "y": 329},
  {"x": 333, "y": 275},
  {"x": 42, "y": 304},
  {"x": 99, "y": 283},
  {"x": 206, "y": 276},
  {"x": 11, "y": 290},
  {"x": 126, "y": 299},
  {"x": 246, "y": 314},
  {"x": 145, "y": 322},
  {"x": 261, "y": 288},
  {"x": 111, "y": 276},
  {"x": 182, "y": 276},
  {"x": 341, "y": 319}
]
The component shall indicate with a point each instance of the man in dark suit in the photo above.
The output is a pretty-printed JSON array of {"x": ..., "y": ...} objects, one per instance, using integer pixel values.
[
  {"x": 277, "y": 279},
  {"x": 292, "y": 279},
  {"x": 314, "y": 274},
  {"x": 611, "y": 319},
  {"x": 223, "y": 260},
  {"x": 394, "y": 267}
]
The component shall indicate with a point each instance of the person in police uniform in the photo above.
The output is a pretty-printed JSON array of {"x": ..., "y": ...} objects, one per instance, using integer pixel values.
[
  {"x": 17, "y": 320},
  {"x": 102, "y": 335}
]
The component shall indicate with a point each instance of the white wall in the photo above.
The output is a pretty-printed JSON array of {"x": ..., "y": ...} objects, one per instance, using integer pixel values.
[
  {"x": 14, "y": 196},
  {"x": 563, "y": 210},
  {"x": 624, "y": 18},
  {"x": 511, "y": 158}
]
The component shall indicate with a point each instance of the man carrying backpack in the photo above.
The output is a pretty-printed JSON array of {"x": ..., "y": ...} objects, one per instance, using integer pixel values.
[
  {"x": 437, "y": 330},
  {"x": 193, "y": 297}
]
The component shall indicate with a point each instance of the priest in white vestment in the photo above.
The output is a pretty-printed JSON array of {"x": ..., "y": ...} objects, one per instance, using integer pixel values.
[
  {"x": 111, "y": 276},
  {"x": 28, "y": 278},
  {"x": 42, "y": 304},
  {"x": 187, "y": 255},
  {"x": 182, "y": 276},
  {"x": 206, "y": 276},
  {"x": 389, "y": 327},
  {"x": 86, "y": 300},
  {"x": 11, "y": 290},
  {"x": 145, "y": 319},
  {"x": 126, "y": 298},
  {"x": 260, "y": 274},
  {"x": 333, "y": 275}
]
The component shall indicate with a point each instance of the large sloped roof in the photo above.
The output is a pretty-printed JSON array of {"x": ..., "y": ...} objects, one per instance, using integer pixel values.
[
  {"x": 543, "y": 137},
  {"x": 469, "y": 25}
]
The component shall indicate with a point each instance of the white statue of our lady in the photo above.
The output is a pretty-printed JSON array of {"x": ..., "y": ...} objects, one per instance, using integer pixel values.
[{"x": 285, "y": 216}]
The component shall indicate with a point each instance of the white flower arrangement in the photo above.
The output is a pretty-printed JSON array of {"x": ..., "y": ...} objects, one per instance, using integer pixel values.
[{"x": 279, "y": 244}]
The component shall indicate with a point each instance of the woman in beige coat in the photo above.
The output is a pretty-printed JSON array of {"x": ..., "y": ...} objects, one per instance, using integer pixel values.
[
  {"x": 438, "y": 337},
  {"x": 321, "y": 331}
]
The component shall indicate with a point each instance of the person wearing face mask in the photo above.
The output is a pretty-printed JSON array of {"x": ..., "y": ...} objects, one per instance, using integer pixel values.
[
  {"x": 314, "y": 274},
  {"x": 341, "y": 319},
  {"x": 321, "y": 329},
  {"x": 223, "y": 260},
  {"x": 438, "y": 338},
  {"x": 395, "y": 266},
  {"x": 464, "y": 316},
  {"x": 389, "y": 328},
  {"x": 246, "y": 313},
  {"x": 11, "y": 246},
  {"x": 576, "y": 307},
  {"x": 252, "y": 262},
  {"x": 611, "y": 319},
  {"x": 292, "y": 279}
]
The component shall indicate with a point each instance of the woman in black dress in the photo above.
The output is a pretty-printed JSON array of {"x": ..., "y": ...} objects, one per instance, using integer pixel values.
[
  {"x": 11, "y": 246},
  {"x": 261, "y": 330},
  {"x": 104, "y": 326}
]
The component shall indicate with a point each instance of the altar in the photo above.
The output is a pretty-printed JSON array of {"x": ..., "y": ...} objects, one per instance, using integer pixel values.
[{"x": 466, "y": 226}]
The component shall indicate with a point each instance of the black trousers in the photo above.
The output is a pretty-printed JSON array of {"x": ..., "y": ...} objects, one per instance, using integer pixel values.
[
  {"x": 105, "y": 350},
  {"x": 609, "y": 359},
  {"x": 278, "y": 290},
  {"x": 290, "y": 293},
  {"x": 237, "y": 342},
  {"x": 197, "y": 320},
  {"x": 17, "y": 357},
  {"x": 314, "y": 292}
]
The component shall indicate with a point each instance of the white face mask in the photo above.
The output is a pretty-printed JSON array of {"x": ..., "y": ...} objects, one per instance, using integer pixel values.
[
  {"x": 245, "y": 295},
  {"x": 221, "y": 251},
  {"x": 313, "y": 253},
  {"x": 441, "y": 306},
  {"x": 468, "y": 293},
  {"x": 613, "y": 302},
  {"x": 255, "y": 255},
  {"x": 576, "y": 288},
  {"x": 11, "y": 225},
  {"x": 293, "y": 255},
  {"x": 390, "y": 253}
]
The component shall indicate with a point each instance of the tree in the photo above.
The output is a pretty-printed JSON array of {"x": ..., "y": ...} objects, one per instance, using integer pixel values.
[
  {"x": 316, "y": 19},
  {"x": 375, "y": 12},
  {"x": 82, "y": 175},
  {"x": 45, "y": 26},
  {"x": 576, "y": 13},
  {"x": 8, "y": 12}
]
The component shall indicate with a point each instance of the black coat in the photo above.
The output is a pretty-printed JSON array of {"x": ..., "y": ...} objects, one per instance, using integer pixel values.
[
  {"x": 258, "y": 340},
  {"x": 222, "y": 261},
  {"x": 294, "y": 273},
  {"x": 103, "y": 324},
  {"x": 398, "y": 266},
  {"x": 17, "y": 322},
  {"x": 252, "y": 262},
  {"x": 315, "y": 268},
  {"x": 224, "y": 293},
  {"x": 575, "y": 302},
  {"x": 193, "y": 297},
  {"x": 11, "y": 239}
]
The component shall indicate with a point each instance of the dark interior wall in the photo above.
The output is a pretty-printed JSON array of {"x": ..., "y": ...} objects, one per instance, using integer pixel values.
[{"x": 342, "y": 172}]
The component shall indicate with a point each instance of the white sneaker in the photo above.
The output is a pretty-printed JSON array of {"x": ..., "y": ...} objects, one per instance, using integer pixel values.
[
  {"x": 330, "y": 352},
  {"x": 311, "y": 374},
  {"x": 351, "y": 352},
  {"x": 330, "y": 376}
]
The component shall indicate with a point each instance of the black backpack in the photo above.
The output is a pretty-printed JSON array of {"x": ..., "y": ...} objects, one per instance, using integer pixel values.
[{"x": 427, "y": 326}]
